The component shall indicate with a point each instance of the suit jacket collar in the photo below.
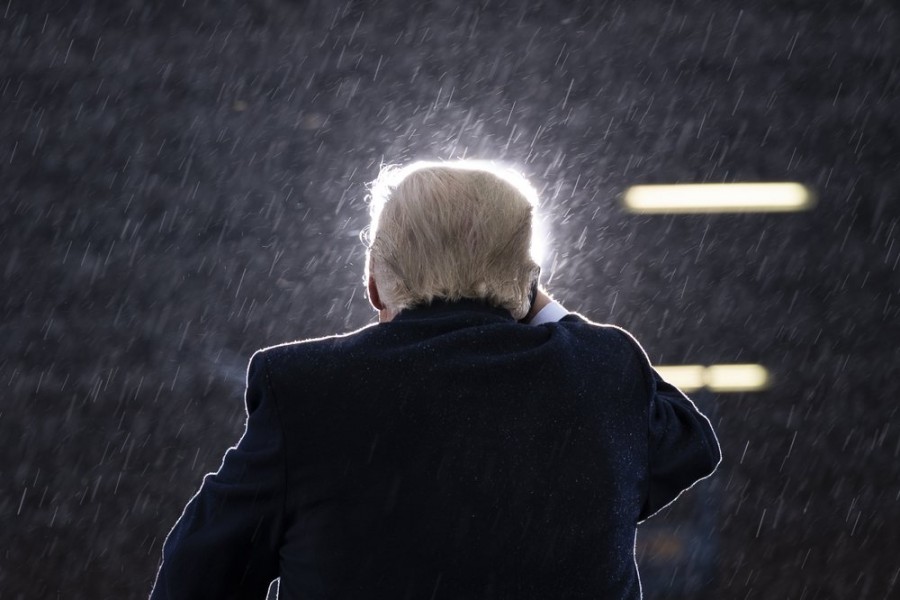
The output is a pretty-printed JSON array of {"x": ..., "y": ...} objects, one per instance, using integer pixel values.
[{"x": 442, "y": 308}]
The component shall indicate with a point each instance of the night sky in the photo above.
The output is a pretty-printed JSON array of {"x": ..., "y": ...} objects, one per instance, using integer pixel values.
[{"x": 183, "y": 181}]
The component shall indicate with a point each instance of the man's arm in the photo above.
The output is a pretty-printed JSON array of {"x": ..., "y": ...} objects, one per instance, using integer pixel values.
[
  {"x": 682, "y": 446},
  {"x": 225, "y": 544}
]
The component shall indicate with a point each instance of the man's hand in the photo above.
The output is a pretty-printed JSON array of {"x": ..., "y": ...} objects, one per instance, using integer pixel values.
[{"x": 541, "y": 300}]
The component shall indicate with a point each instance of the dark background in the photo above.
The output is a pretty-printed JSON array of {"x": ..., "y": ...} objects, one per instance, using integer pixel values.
[{"x": 184, "y": 182}]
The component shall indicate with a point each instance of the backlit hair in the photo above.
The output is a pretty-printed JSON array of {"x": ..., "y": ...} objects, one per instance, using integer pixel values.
[{"x": 452, "y": 230}]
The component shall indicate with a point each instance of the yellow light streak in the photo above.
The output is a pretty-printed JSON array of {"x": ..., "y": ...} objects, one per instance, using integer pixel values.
[
  {"x": 737, "y": 378},
  {"x": 687, "y": 378},
  {"x": 717, "y": 378},
  {"x": 718, "y": 198}
]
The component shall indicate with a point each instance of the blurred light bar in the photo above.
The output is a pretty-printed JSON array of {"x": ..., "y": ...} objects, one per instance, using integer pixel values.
[
  {"x": 716, "y": 378},
  {"x": 718, "y": 198},
  {"x": 687, "y": 378},
  {"x": 737, "y": 378}
]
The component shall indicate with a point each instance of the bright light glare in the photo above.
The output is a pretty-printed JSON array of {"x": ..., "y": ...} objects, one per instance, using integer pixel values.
[
  {"x": 717, "y": 378},
  {"x": 540, "y": 239},
  {"x": 718, "y": 198},
  {"x": 687, "y": 378},
  {"x": 737, "y": 378}
]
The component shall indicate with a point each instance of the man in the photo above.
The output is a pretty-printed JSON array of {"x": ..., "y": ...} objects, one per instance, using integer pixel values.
[{"x": 479, "y": 442}]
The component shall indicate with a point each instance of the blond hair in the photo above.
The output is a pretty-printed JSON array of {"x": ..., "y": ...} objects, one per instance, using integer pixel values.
[{"x": 450, "y": 231}]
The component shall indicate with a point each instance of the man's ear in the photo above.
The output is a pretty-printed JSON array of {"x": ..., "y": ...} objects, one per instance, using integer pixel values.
[{"x": 374, "y": 297}]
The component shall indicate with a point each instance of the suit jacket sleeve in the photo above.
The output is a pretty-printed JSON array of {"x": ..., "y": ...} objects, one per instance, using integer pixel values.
[
  {"x": 225, "y": 544},
  {"x": 682, "y": 446}
]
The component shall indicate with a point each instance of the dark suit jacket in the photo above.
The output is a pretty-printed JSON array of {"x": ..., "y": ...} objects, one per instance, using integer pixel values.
[{"x": 451, "y": 453}]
